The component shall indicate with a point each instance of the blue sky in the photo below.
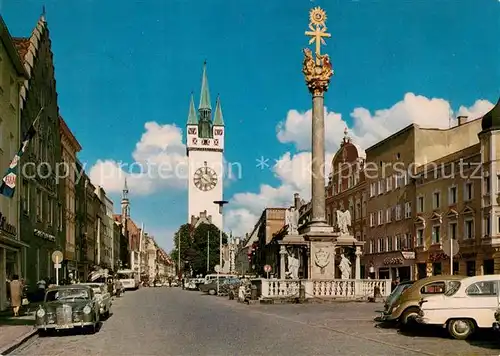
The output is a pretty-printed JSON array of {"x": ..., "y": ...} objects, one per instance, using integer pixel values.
[{"x": 120, "y": 64}]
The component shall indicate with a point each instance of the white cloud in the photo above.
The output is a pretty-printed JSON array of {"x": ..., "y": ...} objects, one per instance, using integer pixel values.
[
  {"x": 366, "y": 129},
  {"x": 159, "y": 161}
]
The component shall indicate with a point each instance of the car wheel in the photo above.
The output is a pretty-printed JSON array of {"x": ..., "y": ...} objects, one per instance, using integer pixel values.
[
  {"x": 212, "y": 292},
  {"x": 408, "y": 316},
  {"x": 461, "y": 329}
]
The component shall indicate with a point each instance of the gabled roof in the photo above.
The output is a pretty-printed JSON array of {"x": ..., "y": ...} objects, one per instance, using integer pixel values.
[{"x": 22, "y": 45}]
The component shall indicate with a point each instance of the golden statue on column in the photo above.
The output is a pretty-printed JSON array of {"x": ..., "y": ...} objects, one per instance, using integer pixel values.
[{"x": 316, "y": 67}]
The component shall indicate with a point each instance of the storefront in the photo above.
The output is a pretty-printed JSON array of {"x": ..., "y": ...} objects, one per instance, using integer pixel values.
[
  {"x": 469, "y": 261},
  {"x": 397, "y": 264},
  {"x": 11, "y": 257}
]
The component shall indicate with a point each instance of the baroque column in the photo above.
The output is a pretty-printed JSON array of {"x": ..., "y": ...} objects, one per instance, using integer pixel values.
[{"x": 317, "y": 70}]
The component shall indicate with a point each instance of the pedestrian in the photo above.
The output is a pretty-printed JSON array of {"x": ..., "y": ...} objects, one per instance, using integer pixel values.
[
  {"x": 394, "y": 283},
  {"x": 16, "y": 294}
]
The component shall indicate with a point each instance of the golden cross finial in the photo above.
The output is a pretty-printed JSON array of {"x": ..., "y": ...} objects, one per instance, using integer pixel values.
[{"x": 317, "y": 19}]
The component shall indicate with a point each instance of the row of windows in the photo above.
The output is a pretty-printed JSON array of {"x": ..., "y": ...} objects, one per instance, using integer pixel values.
[
  {"x": 391, "y": 243},
  {"x": 388, "y": 184},
  {"x": 436, "y": 238},
  {"x": 391, "y": 214},
  {"x": 453, "y": 196}
]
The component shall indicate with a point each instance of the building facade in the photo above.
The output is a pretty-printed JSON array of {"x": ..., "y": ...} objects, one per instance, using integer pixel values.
[
  {"x": 346, "y": 188},
  {"x": 12, "y": 74},
  {"x": 69, "y": 148},
  {"x": 80, "y": 223},
  {"x": 392, "y": 192},
  {"x": 90, "y": 234},
  {"x": 42, "y": 210},
  {"x": 448, "y": 206},
  {"x": 205, "y": 148}
]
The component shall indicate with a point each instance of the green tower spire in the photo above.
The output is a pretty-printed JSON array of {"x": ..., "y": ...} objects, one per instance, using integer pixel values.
[
  {"x": 218, "y": 120},
  {"x": 192, "y": 118},
  {"x": 205, "y": 92}
]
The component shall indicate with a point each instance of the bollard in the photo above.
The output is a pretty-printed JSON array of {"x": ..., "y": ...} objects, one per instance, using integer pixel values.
[
  {"x": 302, "y": 293},
  {"x": 253, "y": 292}
]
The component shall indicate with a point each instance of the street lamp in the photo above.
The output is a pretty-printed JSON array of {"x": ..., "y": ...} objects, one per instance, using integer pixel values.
[{"x": 221, "y": 204}]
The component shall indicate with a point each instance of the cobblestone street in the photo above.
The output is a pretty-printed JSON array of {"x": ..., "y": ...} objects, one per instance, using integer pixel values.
[{"x": 170, "y": 321}]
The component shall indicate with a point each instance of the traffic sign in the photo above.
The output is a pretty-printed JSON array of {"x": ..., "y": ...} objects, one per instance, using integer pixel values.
[
  {"x": 450, "y": 249},
  {"x": 217, "y": 268},
  {"x": 57, "y": 257},
  {"x": 267, "y": 268},
  {"x": 57, "y": 265}
]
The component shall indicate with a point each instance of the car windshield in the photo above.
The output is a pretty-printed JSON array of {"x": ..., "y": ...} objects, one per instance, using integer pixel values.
[
  {"x": 65, "y": 294},
  {"x": 452, "y": 288}
]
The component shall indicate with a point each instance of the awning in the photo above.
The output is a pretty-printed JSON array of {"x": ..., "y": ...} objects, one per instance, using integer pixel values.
[{"x": 9, "y": 242}]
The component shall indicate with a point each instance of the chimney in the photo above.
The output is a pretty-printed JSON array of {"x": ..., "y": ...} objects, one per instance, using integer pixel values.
[
  {"x": 462, "y": 120},
  {"x": 296, "y": 201}
]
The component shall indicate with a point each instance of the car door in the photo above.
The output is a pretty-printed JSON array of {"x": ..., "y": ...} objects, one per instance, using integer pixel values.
[{"x": 480, "y": 302}]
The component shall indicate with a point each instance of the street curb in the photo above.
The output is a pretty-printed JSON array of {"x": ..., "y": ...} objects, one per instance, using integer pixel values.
[{"x": 18, "y": 342}]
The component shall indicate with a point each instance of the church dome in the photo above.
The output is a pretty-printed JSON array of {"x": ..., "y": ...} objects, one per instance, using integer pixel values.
[{"x": 491, "y": 120}]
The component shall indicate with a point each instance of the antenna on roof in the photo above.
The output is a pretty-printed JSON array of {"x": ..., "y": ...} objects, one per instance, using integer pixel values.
[{"x": 43, "y": 11}]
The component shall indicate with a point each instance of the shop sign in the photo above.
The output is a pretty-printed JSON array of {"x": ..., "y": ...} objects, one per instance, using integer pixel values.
[
  {"x": 5, "y": 226},
  {"x": 393, "y": 261},
  {"x": 408, "y": 255},
  {"x": 44, "y": 235}
]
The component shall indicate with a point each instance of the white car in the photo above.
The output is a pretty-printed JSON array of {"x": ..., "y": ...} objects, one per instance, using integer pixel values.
[
  {"x": 469, "y": 305},
  {"x": 102, "y": 296}
]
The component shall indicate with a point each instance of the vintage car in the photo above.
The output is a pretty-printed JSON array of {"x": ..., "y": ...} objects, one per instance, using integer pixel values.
[
  {"x": 393, "y": 298},
  {"x": 469, "y": 305},
  {"x": 103, "y": 296},
  {"x": 68, "y": 307},
  {"x": 225, "y": 284},
  {"x": 404, "y": 309}
]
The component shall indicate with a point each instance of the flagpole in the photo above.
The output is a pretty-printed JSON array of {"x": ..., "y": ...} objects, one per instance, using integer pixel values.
[{"x": 37, "y": 116}]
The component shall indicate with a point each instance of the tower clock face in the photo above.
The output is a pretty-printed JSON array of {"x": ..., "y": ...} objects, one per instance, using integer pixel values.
[{"x": 205, "y": 179}]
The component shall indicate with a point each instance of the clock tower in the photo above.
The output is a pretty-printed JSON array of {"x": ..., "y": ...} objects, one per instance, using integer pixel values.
[{"x": 205, "y": 148}]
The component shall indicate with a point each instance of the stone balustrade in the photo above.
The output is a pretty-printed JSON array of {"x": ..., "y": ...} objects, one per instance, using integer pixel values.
[{"x": 344, "y": 289}]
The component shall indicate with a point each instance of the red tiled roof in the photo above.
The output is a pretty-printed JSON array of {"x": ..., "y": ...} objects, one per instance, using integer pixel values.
[{"x": 22, "y": 44}]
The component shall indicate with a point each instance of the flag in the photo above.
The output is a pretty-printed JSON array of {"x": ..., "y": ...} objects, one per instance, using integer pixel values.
[{"x": 8, "y": 184}]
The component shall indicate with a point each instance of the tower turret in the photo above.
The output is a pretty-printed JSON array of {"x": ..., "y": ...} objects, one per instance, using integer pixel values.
[{"x": 125, "y": 201}]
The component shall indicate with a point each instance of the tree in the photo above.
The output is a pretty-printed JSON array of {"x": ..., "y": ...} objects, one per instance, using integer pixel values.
[
  {"x": 184, "y": 235},
  {"x": 196, "y": 244}
]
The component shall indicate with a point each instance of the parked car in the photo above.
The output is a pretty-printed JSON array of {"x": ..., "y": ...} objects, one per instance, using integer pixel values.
[
  {"x": 193, "y": 283},
  {"x": 469, "y": 305},
  {"x": 102, "y": 296},
  {"x": 68, "y": 307},
  {"x": 229, "y": 284},
  {"x": 404, "y": 307},
  {"x": 392, "y": 298}
]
